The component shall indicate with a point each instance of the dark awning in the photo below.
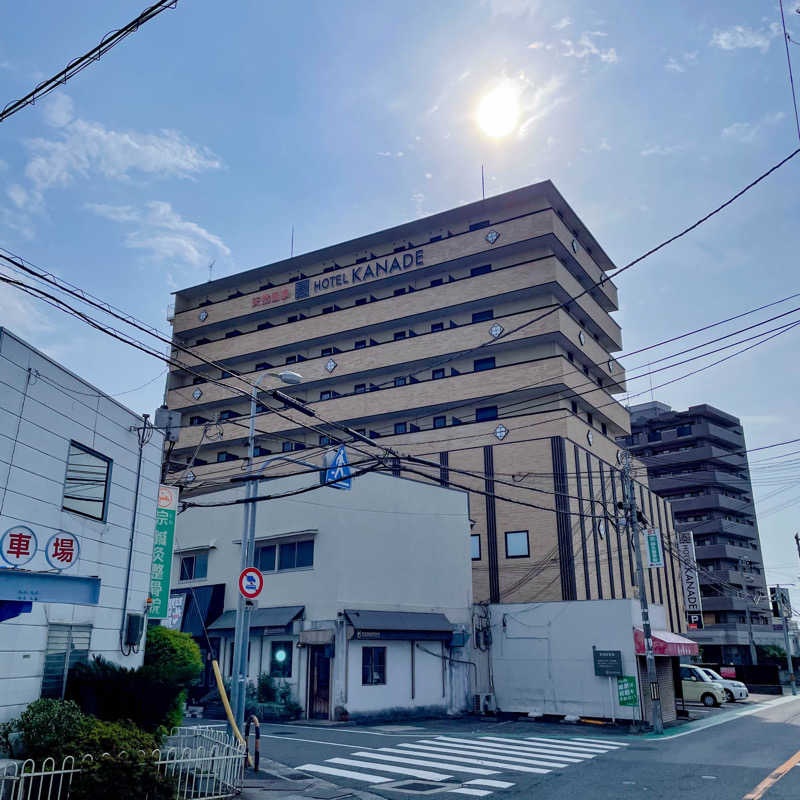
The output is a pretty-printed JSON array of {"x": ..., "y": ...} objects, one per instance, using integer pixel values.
[
  {"x": 272, "y": 620},
  {"x": 399, "y": 625},
  {"x": 202, "y": 605}
]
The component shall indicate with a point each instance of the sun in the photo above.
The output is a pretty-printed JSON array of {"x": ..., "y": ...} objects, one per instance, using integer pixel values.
[{"x": 498, "y": 112}]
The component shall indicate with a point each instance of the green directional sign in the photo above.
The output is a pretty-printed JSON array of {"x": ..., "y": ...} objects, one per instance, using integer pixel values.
[
  {"x": 626, "y": 690},
  {"x": 655, "y": 553},
  {"x": 166, "y": 511}
]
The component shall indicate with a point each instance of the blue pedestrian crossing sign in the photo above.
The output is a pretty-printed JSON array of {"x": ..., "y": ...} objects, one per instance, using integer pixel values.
[{"x": 338, "y": 473}]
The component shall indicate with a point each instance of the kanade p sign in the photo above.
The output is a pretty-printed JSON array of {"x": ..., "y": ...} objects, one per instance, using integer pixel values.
[{"x": 251, "y": 582}]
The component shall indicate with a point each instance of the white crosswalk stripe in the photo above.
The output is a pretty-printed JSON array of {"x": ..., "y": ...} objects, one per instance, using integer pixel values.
[{"x": 454, "y": 761}]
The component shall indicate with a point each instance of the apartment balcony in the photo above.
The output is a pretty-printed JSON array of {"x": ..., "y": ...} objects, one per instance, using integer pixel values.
[
  {"x": 693, "y": 455},
  {"x": 714, "y": 501},
  {"x": 701, "y": 479},
  {"x": 721, "y": 526},
  {"x": 715, "y": 551},
  {"x": 728, "y": 603},
  {"x": 707, "y": 430},
  {"x": 749, "y": 580}
]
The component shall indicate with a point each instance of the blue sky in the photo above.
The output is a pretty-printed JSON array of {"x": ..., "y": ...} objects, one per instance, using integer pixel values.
[{"x": 215, "y": 128}]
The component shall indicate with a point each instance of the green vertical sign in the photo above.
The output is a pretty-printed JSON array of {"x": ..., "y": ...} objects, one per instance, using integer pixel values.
[
  {"x": 655, "y": 553},
  {"x": 166, "y": 511},
  {"x": 626, "y": 690}
]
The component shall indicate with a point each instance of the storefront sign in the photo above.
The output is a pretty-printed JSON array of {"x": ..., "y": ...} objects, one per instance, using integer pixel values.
[
  {"x": 18, "y": 545},
  {"x": 175, "y": 607},
  {"x": 626, "y": 690},
  {"x": 166, "y": 510},
  {"x": 607, "y": 663},
  {"x": 655, "y": 552},
  {"x": 691, "y": 585},
  {"x": 62, "y": 550}
]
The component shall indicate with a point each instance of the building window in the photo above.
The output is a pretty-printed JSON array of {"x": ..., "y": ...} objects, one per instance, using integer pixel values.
[
  {"x": 86, "y": 483},
  {"x": 482, "y": 316},
  {"x": 265, "y": 558},
  {"x": 654, "y": 436},
  {"x": 287, "y": 447},
  {"x": 360, "y": 387},
  {"x": 361, "y": 343},
  {"x": 401, "y": 381},
  {"x": 258, "y": 450},
  {"x": 398, "y": 292},
  {"x": 475, "y": 546},
  {"x": 326, "y": 395},
  {"x": 291, "y": 359},
  {"x": 194, "y": 567},
  {"x": 326, "y": 351},
  {"x": 570, "y": 356},
  {"x": 67, "y": 645},
  {"x": 437, "y": 326},
  {"x": 373, "y": 666},
  {"x": 684, "y": 430},
  {"x": 604, "y": 428},
  {"x": 280, "y": 660},
  {"x": 325, "y": 441},
  {"x": 440, "y": 422},
  {"x": 517, "y": 545},
  {"x": 296, "y": 555},
  {"x": 197, "y": 420},
  {"x": 482, "y": 270},
  {"x": 478, "y": 225},
  {"x": 485, "y": 413},
  {"x": 437, "y": 282},
  {"x": 483, "y": 363},
  {"x": 361, "y": 301},
  {"x": 399, "y": 335},
  {"x": 227, "y": 414},
  {"x": 263, "y": 365},
  {"x": 400, "y": 427},
  {"x": 574, "y": 406},
  {"x": 222, "y": 457},
  {"x": 328, "y": 310},
  {"x": 589, "y": 418},
  {"x": 437, "y": 374}
]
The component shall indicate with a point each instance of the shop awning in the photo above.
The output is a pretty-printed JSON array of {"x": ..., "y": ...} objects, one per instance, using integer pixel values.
[
  {"x": 271, "y": 620},
  {"x": 399, "y": 625},
  {"x": 666, "y": 643},
  {"x": 202, "y": 604}
]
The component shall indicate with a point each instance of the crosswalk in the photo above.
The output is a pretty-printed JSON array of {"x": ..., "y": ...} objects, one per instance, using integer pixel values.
[{"x": 465, "y": 766}]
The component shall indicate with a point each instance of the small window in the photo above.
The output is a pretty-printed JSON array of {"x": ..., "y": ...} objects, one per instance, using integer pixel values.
[
  {"x": 437, "y": 282},
  {"x": 570, "y": 355},
  {"x": 483, "y": 363},
  {"x": 482, "y": 270},
  {"x": 67, "y": 645},
  {"x": 398, "y": 292},
  {"x": 194, "y": 567},
  {"x": 222, "y": 456},
  {"x": 197, "y": 420},
  {"x": 400, "y": 427},
  {"x": 478, "y": 225},
  {"x": 326, "y": 351},
  {"x": 360, "y": 387},
  {"x": 437, "y": 374},
  {"x": 280, "y": 660},
  {"x": 482, "y": 316},
  {"x": 296, "y": 555},
  {"x": 440, "y": 422},
  {"x": 263, "y": 326},
  {"x": 475, "y": 546},
  {"x": 361, "y": 301},
  {"x": 604, "y": 429},
  {"x": 683, "y": 430},
  {"x": 287, "y": 447},
  {"x": 227, "y": 414},
  {"x": 399, "y": 335},
  {"x": 232, "y": 334},
  {"x": 326, "y": 395},
  {"x": 574, "y": 406},
  {"x": 517, "y": 544},
  {"x": 291, "y": 359},
  {"x": 589, "y": 418},
  {"x": 486, "y": 413},
  {"x": 328, "y": 310},
  {"x": 361, "y": 343},
  {"x": 325, "y": 441},
  {"x": 86, "y": 483},
  {"x": 262, "y": 365},
  {"x": 373, "y": 666},
  {"x": 400, "y": 381},
  {"x": 437, "y": 326},
  {"x": 198, "y": 380},
  {"x": 258, "y": 450}
]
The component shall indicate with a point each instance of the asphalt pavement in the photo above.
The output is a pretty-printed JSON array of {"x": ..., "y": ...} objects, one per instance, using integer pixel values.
[{"x": 721, "y": 756}]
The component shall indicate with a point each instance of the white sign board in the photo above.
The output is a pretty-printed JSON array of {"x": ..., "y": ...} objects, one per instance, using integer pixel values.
[
  {"x": 691, "y": 585},
  {"x": 175, "y": 606}
]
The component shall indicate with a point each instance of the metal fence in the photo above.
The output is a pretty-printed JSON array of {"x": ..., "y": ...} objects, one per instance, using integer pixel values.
[{"x": 205, "y": 763}]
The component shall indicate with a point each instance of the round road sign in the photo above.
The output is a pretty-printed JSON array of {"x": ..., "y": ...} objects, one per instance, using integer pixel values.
[{"x": 251, "y": 582}]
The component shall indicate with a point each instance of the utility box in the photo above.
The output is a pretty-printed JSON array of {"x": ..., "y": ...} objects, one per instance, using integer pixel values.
[
  {"x": 133, "y": 629},
  {"x": 169, "y": 422}
]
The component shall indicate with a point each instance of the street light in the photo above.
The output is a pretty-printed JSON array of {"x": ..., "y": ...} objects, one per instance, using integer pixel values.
[{"x": 241, "y": 631}]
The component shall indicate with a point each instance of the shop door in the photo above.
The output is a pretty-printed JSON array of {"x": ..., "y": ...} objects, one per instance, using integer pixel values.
[{"x": 319, "y": 679}]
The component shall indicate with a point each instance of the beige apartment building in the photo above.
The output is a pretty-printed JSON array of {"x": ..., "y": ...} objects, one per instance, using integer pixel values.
[{"x": 433, "y": 338}]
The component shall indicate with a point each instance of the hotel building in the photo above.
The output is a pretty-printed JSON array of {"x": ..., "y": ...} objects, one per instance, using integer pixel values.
[{"x": 443, "y": 338}]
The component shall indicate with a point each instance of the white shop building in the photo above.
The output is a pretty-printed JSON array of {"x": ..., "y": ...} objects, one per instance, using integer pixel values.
[
  {"x": 367, "y": 592},
  {"x": 74, "y": 564}
]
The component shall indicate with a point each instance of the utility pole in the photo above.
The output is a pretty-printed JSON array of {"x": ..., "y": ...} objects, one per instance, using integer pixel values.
[
  {"x": 631, "y": 517},
  {"x": 782, "y": 612},
  {"x": 743, "y": 563},
  {"x": 797, "y": 542}
]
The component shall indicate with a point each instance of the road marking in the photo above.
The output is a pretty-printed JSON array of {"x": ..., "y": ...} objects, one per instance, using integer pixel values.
[
  {"x": 313, "y": 741},
  {"x": 414, "y": 773},
  {"x": 472, "y": 792},
  {"x": 344, "y": 773},
  {"x": 521, "y": 748},
  {"x": 490, "y": 784},
  {"x": 417, "y": 762},
  {"x": 773, "y": 777},
  {"x": 601, "y": 741},
  {"x": 585, "y": 747},
  {"x": 545, "y": 759},
  {"x": 497, "y": 761}
]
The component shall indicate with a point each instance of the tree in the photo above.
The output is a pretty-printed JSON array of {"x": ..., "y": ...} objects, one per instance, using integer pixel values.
[{"x": 172, "y": 656}]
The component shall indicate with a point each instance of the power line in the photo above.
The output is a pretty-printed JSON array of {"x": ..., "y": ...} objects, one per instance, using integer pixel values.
[
  {"x": 78, "y": 64},
  {"x": 791, "y": 76}
]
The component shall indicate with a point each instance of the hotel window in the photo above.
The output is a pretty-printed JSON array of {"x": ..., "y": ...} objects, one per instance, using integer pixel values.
[
  {"x": 287, "y": 447},
  {"x": 437, "y": 282},
  {"x": 194, "y": 567},
  {"x": 437, "y": 326},
  {"x": 482, "y": 316},
  {"x": 263, "y": 365},
  {"x": 263, "y": 326},
  {"x": 86, "y": 483},
  {"x": 475, "y": 546},
  {"x": 398, "y": 292},
  {"x": 280, "y": 661},
  {"x": 326, "y": 351},
  {"x": 437, "y": 374},
  {"x": 360, "y": 387},
  {"x": 400, "y": 427},
  {"x": 324, "y": 441},
  {"x": 258, "y": 450},
  {"x": 291, "y": 359},
  {"x": 517, "y": 545},
  {"x": 198, "y": 380},
  {"x": 482, "y": 270},
  {"x": 477, "y": 225},
  {"x": 222, "y": 456},
  {"x": 400, "y": 381},
  {"x": 360, "y": 343},
  {"x": 373, "y": 666},
  {"x": 574, "y": 406},
  {"x": 485, "y": 414},
  {"x": 326, "y": 395},
  {"x": 197, "y": 420},
  {"x": 67, "y": 645},
  {"x": 483, "y": 363},
  {"x": 361, "y": 301},
  {"x": 399, "y": 335},
  {"x": 440, "y": 422}
]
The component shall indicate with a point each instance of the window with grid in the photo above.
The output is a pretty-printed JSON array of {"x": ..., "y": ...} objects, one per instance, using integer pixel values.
[
  {"x": 194, "y": 566},
  {"x": 373, "y": 666},
  {"x": 67, "y": 645},
  {"x": 86, "y": 483}
]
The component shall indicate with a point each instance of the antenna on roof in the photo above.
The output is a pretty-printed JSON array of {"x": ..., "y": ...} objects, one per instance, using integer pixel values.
[
  {"x": 211, "y": 268},
  {"x": 291, "y": 246},
  {"x": 483, "y": 184}
]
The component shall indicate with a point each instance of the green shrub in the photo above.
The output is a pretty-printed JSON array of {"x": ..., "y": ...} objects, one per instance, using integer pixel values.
[
  {"x": 97, "y": 736},
  {"x": 129, "y": 777},
  {"x": 172, "y": 657},
  {"x": 266, "y": 689},
  {"x": 48, "y": 726}
]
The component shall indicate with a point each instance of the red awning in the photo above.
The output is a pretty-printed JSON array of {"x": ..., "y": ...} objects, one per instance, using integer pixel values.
[{"x": 666, "y": 643}]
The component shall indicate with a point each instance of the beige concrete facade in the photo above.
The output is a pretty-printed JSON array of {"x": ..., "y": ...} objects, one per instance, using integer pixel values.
[{"x": 442, "y": 339}]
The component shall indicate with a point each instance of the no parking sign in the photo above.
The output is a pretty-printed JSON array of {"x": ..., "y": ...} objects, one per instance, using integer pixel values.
[{"x": 251, "y": 582}]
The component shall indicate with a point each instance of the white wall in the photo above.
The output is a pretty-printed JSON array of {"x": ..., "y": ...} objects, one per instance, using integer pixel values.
[
  {"x": 36, "y": 426},
  {"x": 541, "y": 654}
]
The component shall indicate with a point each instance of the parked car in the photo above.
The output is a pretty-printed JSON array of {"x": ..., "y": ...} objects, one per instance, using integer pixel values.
[
  {"x": 700, "y": 688},
  {"x": 734, "y": 690}
]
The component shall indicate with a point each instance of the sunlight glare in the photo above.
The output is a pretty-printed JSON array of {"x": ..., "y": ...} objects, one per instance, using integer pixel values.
[{"x": 498, "y": 112}]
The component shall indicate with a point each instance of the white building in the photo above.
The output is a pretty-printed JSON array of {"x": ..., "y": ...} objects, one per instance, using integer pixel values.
[
  {"x": 68, "y": 548},
  {"x": 366, "y": 592}
]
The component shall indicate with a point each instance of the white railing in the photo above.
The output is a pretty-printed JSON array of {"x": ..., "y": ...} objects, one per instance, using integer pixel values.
[{"x": 205, "y": 763}]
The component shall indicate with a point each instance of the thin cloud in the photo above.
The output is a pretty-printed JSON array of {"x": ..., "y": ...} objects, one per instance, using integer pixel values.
[
  {"x": 741, "y": 37},
  {"x": 21, "y": 314},
  {"x": 586, "y": 47},
  {"x": 662, "y": 150},
  {"x": 681, "y": 63},
  {"x": 564, "y": 22},
  {"x": 539, "y": 101},
  {"x": 748, "y": 132}
]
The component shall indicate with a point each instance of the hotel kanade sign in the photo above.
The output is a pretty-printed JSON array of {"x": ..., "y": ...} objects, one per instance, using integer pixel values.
[{"x": 691, "y": 585}]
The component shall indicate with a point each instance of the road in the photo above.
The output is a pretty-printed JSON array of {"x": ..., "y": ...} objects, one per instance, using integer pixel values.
[{"x": 730, "y": 758}]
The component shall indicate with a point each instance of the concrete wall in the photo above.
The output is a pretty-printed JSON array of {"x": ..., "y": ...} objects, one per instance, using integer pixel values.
[{"x": 40, "y": 412}]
